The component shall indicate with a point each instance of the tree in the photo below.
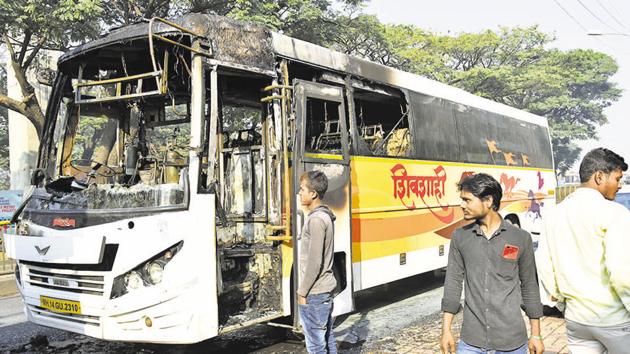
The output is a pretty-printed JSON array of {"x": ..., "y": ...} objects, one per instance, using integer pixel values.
[
  {"x": 4, "y": 134},
  {"x": 514, "y": 67},
  {"x": 32, "y": 25},
  {"x": 314, "y": 21},
  {"x": 125, "y": 12},
  {"x": 28, "y": 26},
  {"x": 511, "y": 66}
]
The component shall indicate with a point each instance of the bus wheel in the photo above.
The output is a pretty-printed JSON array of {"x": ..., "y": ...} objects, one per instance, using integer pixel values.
[
  {"x": 513, "y": 219},
  {"x": 439, "y": 273}
]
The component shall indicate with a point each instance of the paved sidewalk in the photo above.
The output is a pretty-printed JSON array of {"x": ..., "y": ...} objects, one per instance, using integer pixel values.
[
  {"x": 424, "y": 338},
  {"x": 7, "y": 265},
  {"x": 7, "y": 285}
]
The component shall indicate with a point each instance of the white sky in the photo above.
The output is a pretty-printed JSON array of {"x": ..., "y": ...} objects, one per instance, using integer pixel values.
[{"x": 456, "y": 16}]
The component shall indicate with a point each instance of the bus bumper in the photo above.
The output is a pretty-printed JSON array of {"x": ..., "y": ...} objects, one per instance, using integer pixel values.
[{"x": 173, "y": 319}]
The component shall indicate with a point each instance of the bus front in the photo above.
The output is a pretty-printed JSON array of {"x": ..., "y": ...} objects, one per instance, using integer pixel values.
[{"x": 154, "y": 213}]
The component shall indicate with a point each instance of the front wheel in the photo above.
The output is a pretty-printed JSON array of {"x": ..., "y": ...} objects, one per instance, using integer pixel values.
[{"x": 513, "y": 219}]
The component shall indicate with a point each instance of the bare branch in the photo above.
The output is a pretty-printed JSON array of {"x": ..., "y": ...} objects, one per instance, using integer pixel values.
[
  {"x": 7, "y": 40},
  {"x": 12, "y": 104},
  {"x": 29, "y": 106},
  {"x": 34, "y": 52},
  {"x": 25, "y": 42}
]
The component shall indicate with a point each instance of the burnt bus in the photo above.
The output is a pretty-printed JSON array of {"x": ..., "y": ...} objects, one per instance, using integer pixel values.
[{"x": 164, "y": 207}]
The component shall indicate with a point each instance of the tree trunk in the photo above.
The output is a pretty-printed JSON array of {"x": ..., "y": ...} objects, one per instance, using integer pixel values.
[
  {"x": 29, "y": 105},
  {"x": 32, "y": 110}
]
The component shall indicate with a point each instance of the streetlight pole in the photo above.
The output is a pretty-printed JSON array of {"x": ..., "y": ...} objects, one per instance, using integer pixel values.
[{"x": 600, "y": 33}]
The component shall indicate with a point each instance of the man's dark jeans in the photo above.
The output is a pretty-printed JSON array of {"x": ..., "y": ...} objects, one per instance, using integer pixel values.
[{"x": 317, "y": 324}]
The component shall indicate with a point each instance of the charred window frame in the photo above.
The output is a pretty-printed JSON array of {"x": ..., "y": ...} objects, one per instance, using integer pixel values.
[
  {"x": 52, "y": 144},
  {"x": 240, "y": 171},
  {"x": 166, "y": 132},
  {"x": 323, "y": 130},
  {"x": 113, "y": 78},
  {"x": 382, "y": 121}
]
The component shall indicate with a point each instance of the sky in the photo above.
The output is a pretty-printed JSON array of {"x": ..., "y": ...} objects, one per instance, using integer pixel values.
[{"x": 569, "y": 21}]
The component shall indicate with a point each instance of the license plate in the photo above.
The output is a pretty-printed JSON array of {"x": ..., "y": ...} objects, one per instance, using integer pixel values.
[{"x": 59, "y": 305}]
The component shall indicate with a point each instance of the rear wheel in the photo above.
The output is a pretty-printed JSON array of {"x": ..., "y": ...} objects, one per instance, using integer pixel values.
[{"x": 440, "y": 273}]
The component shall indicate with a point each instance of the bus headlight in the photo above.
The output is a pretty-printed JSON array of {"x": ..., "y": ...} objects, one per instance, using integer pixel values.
[
  {"x": 155, "y": 270},
  {"x": 146, "y": 274},
  {"x": 133, "y": 280}
]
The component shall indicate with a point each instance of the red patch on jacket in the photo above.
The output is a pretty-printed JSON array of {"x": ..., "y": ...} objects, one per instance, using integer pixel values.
[{"x": 510, "y": 252}]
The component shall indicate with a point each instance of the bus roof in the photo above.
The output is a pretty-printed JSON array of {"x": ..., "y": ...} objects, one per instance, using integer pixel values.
[
  {"x": 306, "y": 52},
  {"x": 302, "y": 51}
]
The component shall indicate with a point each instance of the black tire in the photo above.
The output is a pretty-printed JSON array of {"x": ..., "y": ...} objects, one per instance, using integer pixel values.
[{"x": 513, "y": 219}]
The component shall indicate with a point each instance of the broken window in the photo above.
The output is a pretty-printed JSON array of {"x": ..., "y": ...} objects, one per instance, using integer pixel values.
[
  {"x": 168, "y": 138},
  {"x": 121, "y": 138},
  {"x": 93, "y": 156},
  {"x": 242, "y": 152},
  {"x": 243, "y": 160},
  {"x": 382, "y": 124},
  {"x": 323, "y": 129}
]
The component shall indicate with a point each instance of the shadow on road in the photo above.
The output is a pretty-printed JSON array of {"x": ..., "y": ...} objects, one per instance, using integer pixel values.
[
  {"x": 259, "y": 338},
  {"x": 357, "y": 334}
]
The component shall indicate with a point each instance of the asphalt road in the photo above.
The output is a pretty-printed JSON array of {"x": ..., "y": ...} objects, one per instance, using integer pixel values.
[
  {"x": 15, "y": 331},
  {"x": 380, "y": 312}
]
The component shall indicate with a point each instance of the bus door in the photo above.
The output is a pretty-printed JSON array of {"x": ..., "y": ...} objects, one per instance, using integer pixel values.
[{"x": 322, "y": 144}]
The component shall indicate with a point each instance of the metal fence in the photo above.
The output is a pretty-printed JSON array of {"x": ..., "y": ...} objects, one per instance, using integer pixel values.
[
  {"x": 563, "y": 191},
  {"x": 7, "y": 265}
]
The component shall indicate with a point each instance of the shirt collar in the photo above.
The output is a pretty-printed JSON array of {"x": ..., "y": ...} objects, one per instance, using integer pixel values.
[
  {"x": 477, "y": 230},
  {"x": 588, "y": 191}
]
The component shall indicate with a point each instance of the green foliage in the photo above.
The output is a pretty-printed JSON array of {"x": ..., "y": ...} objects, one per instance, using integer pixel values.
[
  {"x": 57, "y": 23},
  {"x": 315, "y": 21},
  {"x": 88, "y": 131},
  {"x": 124, "y": 12},
  {"x": 514, "y": 67},
  {"x": 167, "y": 138}
]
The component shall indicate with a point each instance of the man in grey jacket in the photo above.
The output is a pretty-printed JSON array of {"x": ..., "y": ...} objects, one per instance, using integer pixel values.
[{"x": 316, "y": 280}]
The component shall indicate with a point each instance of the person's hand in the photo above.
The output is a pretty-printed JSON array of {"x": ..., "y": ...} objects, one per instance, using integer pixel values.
[
  {"x": 447, "y": 343},
  {"x": 536, "y": 346},
  {"x": 301, "y": 300}
]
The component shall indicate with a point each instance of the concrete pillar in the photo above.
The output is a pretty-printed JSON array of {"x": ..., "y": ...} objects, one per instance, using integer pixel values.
[{"x": 23, "y": 140}]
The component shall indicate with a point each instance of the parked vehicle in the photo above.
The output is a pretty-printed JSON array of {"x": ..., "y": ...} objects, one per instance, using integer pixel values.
[{"x": 165, "y": 208}]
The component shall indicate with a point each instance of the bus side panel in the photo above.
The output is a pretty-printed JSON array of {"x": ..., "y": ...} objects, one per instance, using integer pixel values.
[{"x": 404, "y": 212}]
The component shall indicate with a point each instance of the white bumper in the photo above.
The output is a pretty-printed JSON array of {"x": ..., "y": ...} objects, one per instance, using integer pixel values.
[{"x": 55, "y": 249}]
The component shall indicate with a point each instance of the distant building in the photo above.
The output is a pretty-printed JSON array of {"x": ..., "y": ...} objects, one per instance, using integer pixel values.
[{"x": 571, "y": 177}]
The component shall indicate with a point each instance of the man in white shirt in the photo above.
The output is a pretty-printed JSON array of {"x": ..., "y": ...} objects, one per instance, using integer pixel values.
[{"x": 583, "y": 260}]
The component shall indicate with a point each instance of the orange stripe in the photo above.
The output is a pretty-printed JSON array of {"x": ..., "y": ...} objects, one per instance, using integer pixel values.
[
  {"x": 382, "y": 229},
  {"x": 382, "y": 237}
]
